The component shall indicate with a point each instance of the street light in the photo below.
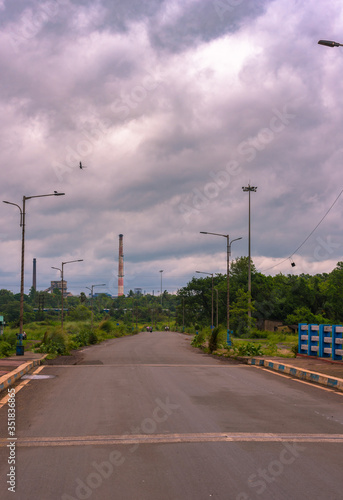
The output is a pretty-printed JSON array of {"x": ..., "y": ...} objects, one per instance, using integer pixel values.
[
  {"x": 216, "y": 289},
  {"x": 228, "y": 251},
  {"x": 211, "y": 274},
  {"x": 161, "y": 285},
  {"x": 91, "y": 289},
  {"x": 249, "y": 189},
  {"x": 22, "y": 225},
  {"x": 329, "y": 43},
  {"x": 61, "y": 271}
]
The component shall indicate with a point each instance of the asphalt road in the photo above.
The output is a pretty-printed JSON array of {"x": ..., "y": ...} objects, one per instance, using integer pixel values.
[{"x": 150, "y": 418}]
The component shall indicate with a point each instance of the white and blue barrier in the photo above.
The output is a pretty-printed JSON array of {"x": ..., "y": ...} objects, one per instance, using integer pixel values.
[{"x": 323, "y": 341}]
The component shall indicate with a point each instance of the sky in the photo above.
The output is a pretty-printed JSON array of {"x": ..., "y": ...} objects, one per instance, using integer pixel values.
[{"x": 172, "y": 106}]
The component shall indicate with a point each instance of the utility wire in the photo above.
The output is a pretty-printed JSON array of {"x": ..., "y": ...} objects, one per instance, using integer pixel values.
[{"x": 303, "y": 243}]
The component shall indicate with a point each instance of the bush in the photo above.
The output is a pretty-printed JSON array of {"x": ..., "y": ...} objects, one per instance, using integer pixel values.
[
  {"x": 248, "y": 349},
  {"x": 10, "y": 338},
  {"x": 106, "y": 326},
  {"x": 213, "y": 343},
  {"x": 54, "y": 342},
  {"x": 5, "y": 349},
  {"x": 199, "y": 339},
  {"x": 295, "y": 350}
]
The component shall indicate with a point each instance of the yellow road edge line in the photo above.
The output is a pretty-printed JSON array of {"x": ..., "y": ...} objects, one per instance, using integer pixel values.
[{"x": 4, "y": 400}]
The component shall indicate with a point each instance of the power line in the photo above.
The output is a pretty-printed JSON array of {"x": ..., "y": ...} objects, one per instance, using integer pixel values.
[{"x": 303, "y": 243}]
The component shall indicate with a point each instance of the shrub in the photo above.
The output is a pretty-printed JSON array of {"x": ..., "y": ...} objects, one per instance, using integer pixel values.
[
  {"x": 295, "y": 350},
  {"x": 213, "y": 343},
  {"x": 106, "y": 326},
  {"x": 93, "y": 338},
  {"x": 5, "y": 348},
  {"x": 10, "y": 338},
  {"x": 54, "y": 342},
  {"x": 199, "y": 339},
  {"x": 248, "y": 349}
]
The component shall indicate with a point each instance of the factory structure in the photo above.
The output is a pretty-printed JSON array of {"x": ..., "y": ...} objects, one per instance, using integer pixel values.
[
  {"x": 121, "y": 267},
  {"x": 63, "y": 286}
]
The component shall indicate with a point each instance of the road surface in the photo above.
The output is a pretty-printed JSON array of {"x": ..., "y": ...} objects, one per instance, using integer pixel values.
[{"x": 148, "y": 417}]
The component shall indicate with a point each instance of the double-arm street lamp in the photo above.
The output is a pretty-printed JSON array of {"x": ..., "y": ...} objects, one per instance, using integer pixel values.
[
  {"x": 91, "y": 289},
  {"x": 22, "y": 225},
  {"x": 62, "y": 284},
  {"x": 228, "y": 251},
  {"x": 249, "y": 189},
  {"x": 210, "y": 274}
]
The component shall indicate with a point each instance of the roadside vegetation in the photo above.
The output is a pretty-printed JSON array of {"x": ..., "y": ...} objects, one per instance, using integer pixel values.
[
  {"x": 259, "y": 344},
  {"x": 284, "y": 299}
]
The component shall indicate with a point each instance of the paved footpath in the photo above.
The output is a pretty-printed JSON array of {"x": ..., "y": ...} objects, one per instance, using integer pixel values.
[{"x": 14, "y": 367}]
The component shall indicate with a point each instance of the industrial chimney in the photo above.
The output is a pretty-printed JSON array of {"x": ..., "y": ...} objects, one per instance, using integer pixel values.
[
  {"x": 34, "y": 275},
  {"x": 121, "y": 267}
]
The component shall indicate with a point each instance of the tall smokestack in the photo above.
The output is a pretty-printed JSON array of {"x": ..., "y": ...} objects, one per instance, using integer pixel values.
[
  {"x": 121, "y": 267},
  {"x": 34, "y": 275}
]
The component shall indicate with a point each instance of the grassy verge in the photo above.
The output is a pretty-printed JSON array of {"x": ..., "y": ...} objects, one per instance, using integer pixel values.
[
  {"x": 47, "y": 337},
  {"x": 267, "y": 344}
]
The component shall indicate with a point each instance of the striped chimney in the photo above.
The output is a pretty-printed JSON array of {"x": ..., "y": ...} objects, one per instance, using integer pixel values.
[{"x": 121, "y": 267}]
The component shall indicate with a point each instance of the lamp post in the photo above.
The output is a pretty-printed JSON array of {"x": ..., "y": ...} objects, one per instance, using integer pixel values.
[
  {"x": 211, "y": 274},
  {"x": 22, "y": 225},
  {"x": 91, "y": 289},
  {"x": 216, "y": 289},
  {"x": 330, "y": 43},
  {"x": 161, "y": 285},
  {"x": 61, "y": 271},
  {"x": 228, "y": 252},
  {"x": 249, "y": 189}
]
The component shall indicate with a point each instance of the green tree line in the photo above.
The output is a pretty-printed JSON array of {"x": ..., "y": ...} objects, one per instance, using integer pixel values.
[{"x": 290, "y": 299}]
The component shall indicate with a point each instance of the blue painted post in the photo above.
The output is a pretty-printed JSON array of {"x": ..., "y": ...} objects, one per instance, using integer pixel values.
[
  {"x": 228, "y": 339},
  {"x": 337, "y": 340},
  {"x": 303, "y": 338},
  {"x": 327, "y": 341},
  {"x": 321, "y": 340},
  {"x": 313, "y": 340}
]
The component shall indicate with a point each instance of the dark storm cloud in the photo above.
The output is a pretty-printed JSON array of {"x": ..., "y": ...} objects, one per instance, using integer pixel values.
[{"x": 172, "y": 106}]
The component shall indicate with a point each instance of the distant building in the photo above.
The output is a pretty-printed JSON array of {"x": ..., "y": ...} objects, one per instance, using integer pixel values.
[{"x": 58, "y": 285}]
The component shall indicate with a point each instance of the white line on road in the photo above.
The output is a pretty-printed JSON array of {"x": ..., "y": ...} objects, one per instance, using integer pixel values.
[{"x": 174, "y": 438}]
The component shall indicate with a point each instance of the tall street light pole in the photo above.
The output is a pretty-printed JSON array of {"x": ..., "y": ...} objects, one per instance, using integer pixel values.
[
  {"x": 210, "y": 274},
  {"x": 61, "y": 270},
  {"x": 161, "y": 285},
  {"x": 216, "y": 289},
  {"x": 22, "y": 225},
  {"x": 228, "y": 252},
  {"x": 91, "y": 289},
  {"x": 249, "y": 189}
]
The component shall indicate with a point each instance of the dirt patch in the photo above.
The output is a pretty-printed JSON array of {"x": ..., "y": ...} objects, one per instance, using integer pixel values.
[{"x": 74, "y": 358}]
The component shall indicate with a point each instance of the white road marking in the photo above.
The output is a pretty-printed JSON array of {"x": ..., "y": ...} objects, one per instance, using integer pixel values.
[{"x": 174, "y": 438}]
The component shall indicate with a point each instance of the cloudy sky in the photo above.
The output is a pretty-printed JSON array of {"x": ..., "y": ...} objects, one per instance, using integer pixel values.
[{"x": 173, "y": 106}]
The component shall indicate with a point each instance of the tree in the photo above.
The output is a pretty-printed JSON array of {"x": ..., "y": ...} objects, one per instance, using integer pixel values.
[{"x": 240, "y": 321}]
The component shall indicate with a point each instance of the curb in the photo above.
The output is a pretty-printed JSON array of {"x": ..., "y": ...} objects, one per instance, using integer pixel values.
[
  {"x": 12, "y": 377},
  {"x": 300, "y": 373}
]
